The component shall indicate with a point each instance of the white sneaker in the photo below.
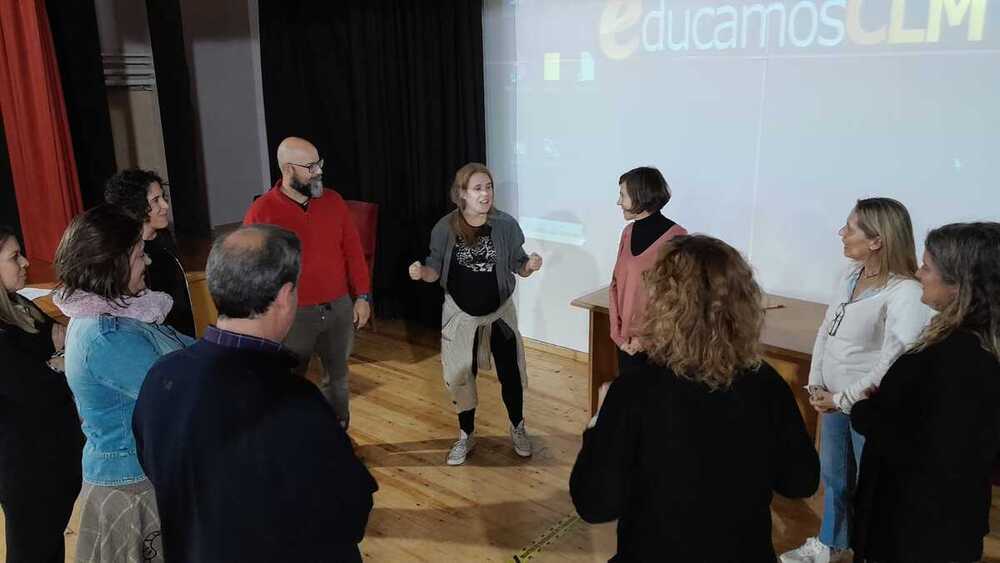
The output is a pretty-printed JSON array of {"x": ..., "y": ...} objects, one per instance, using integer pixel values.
[
  {"x": 815, "y": 551},
  {"x": 519, "y": 435},
  {"x": 461, "y": 449}
]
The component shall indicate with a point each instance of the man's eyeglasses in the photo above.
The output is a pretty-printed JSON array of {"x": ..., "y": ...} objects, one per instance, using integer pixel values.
[
  {"x": 838, "y": 318},
  {"x": 313, "y": 168}
]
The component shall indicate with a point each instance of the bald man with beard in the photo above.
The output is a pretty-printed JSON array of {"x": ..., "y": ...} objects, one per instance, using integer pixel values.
[{"x": 334, "y": 289}]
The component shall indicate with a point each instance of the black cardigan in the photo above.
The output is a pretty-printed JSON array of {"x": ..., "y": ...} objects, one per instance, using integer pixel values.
[
  {"x": 248, "y": 460},
  {"x": 932, "y": 432},
  {"x": 40, "y": 437},
  {"x": 689, "y": 473},
  {"x": 166, "y": 274}
]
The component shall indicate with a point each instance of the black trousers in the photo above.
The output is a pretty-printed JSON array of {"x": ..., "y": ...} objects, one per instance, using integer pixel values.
[
  {"x": 36, "y": 516},
  {"x": 503, "y": 344}
]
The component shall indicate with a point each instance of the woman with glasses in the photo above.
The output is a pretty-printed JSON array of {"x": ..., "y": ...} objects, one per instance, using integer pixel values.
[
  {"x": 933, "y": 429},
  {"x": 876, "y": 316},
  {"x": 115, "y": 334},
  {"x": 139, "y": 194}
]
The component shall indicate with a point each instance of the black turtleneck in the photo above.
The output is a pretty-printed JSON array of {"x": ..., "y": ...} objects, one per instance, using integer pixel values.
[{"x": 646, "y": 231}]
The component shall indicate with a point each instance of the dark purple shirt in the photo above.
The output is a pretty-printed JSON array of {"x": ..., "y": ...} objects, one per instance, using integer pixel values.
[{"x": 239, "y": 341}]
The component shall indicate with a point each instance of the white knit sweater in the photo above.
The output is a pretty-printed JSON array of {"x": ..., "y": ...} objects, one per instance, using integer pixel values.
[{"x": 874, "y": 330}]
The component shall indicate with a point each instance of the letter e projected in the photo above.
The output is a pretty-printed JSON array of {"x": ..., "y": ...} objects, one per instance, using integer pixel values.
[{"x": 619, "y": 16}]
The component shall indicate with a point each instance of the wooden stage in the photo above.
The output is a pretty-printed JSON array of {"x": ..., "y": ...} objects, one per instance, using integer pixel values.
[{"x": 497, "y": 506}]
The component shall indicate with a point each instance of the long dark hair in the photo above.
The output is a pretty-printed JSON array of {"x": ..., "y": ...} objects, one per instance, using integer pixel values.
[
  {"x": 93, "y": 254},
  {"x": 12, "y": 312},
  {"x": 968, "y": 257}
]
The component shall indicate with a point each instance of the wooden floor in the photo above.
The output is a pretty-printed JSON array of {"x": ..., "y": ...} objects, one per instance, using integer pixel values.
[{"x": 497, "y": 506}]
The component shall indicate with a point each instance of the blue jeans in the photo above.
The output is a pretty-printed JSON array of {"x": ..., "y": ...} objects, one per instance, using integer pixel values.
[{"x": 839, "y": 459}]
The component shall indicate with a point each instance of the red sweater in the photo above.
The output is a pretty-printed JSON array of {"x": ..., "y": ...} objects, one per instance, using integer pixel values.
[{"x": 332, "y": 257}]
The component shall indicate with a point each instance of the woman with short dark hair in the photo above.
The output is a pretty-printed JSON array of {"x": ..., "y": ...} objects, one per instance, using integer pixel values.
[
  {"x": 642, "y": 193},
  {"x": 40, "y": 438},
  {"x": 115, "y": 334},
  {"x": 140, "y": 195},
  {"x": 687, "y": 448},
  {"x": 933, "y": 429}
]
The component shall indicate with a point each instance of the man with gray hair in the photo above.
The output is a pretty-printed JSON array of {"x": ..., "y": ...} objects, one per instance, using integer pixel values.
[{"x": 248, "y": 460}]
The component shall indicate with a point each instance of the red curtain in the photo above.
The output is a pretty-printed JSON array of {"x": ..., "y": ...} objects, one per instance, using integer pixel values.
[{"x": 38, "y": 137}]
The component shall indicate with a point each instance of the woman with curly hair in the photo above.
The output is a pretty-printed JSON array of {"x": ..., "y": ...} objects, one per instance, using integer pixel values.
[
  {"x": 705, "y": 426},
  {"x": 139, "y": 194},
  {"x": 933, "y": 428}
]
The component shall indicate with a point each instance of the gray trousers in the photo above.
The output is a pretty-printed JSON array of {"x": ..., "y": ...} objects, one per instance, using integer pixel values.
[{"x": 328, "y": 330}]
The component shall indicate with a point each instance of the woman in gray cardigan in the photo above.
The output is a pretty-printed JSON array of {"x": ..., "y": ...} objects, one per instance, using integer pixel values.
[{"x": 474, "y": 253}]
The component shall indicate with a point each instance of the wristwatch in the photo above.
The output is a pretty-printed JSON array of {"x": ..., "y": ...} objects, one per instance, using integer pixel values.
[{"x": 366, "y": 297}]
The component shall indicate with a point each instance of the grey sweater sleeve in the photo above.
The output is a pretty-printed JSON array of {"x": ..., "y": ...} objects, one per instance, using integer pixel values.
[
  {"x": 518, "y": 258},
  {"x": 439, "y": 244}
]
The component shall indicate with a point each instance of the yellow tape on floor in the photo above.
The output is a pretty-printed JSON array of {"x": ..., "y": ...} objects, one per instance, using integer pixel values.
[{"x": 550, "y": 535}]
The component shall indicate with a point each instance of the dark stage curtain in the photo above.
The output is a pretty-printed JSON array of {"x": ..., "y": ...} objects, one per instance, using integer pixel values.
[
  {"x": 78, "y": 51},
  {"x": 391, "y": 93},
  {"x": 189, "y": 197},
  {"x": 8, "y": 200}
]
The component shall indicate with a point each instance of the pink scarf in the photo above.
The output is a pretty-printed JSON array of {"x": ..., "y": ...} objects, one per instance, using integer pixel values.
[{"x": 148, "y": 306}]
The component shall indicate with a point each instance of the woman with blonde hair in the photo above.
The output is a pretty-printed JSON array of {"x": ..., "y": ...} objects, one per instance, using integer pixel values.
[
  {"x": 933, "y": 429},
  {"x": 40, "y": 437},
  {"x": 704, "y": 426},
  {"x": 875, "y": 316},
  {"x": 474, "y": 253}
]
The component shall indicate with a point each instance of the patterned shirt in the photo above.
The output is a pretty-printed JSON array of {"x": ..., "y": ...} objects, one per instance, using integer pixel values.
[{"x": 239, "y": 341}]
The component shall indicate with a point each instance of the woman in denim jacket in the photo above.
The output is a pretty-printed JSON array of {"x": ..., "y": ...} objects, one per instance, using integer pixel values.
[{"x": 115, "y": 335}]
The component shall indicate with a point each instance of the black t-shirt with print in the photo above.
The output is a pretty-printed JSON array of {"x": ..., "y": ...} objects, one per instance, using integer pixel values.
[{"x": 472, "y": 278}]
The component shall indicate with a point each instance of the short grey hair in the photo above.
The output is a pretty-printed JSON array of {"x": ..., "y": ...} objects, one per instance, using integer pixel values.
[{"x": 248, "y": 267}]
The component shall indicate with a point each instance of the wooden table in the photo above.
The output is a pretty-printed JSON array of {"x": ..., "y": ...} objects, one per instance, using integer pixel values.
[{"x": 790, "y": 327}]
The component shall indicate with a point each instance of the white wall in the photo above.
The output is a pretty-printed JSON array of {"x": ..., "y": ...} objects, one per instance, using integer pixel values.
[
  {"x": 769, "y": 120},
  {"x": 500, "y": 67},
  {"x": 223, "y": 51},
  {"x": 224, "y": 63},
  {"x": 133, "y": 108},
  {"x": 123, "y": 27}
]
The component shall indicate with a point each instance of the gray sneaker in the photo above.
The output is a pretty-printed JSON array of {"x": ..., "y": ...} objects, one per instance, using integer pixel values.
[
  {"x": 519, "y": 435},
  {"x": 462, "y": 448},
  {"x": 815, "y": 551}
]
